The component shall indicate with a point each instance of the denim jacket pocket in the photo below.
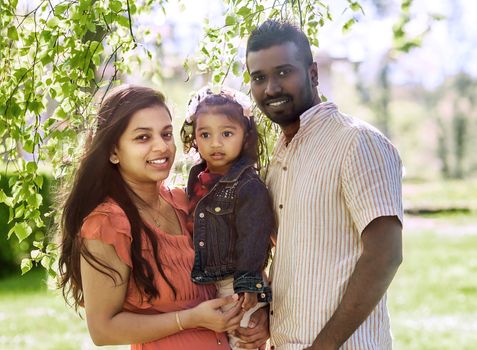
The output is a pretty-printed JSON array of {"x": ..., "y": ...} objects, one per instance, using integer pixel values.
[{"x": 220, "y": 208}]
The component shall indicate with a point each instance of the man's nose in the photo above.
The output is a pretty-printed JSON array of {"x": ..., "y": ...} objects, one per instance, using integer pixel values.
[{"x": 273, "y": 87}]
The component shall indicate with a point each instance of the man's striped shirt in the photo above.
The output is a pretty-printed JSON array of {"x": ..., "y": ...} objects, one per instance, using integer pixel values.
[{"x": 335, "y": 176}]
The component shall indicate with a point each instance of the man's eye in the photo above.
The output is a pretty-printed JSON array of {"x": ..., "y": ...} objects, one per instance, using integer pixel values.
[
  {"x": 283, "y": 72},
  {"x": 258, "y": 78}
]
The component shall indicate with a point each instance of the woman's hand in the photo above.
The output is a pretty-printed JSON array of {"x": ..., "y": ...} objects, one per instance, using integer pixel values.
[
  {"x": 257, "y": 333},
  {"x": 208, "y": 314},
  {"x": 249, "y": 301}
]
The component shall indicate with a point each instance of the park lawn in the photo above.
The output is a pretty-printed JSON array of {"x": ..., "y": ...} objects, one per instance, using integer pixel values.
[
  {"x": 433, "y": 299},
  {"x": 33, "y": 317}
]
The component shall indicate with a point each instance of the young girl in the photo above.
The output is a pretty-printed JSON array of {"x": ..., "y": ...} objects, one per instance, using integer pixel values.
[
  {"x": 126, "y": 254},
  {"x": 231, "y": 212}
]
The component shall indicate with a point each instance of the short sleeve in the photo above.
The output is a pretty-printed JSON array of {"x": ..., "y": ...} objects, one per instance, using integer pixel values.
[
  {"x": 109, "y": 224},
  {"x": 372, "y": 179}
]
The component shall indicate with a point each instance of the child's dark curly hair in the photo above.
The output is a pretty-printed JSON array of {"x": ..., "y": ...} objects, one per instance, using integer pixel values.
[{"x": 224, "y": 104}]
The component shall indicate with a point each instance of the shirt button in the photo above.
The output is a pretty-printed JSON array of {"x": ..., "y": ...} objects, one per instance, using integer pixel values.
[
  {"x": 272, "y": 347},
  {"x": 281, "y": 206},
  {"x": 263, "y": 295},
  {"x": 258, "y": 285},
  {"x": 201, "y": 243},
  {"x": 201, "y": 215},
  {"x": 271, "y": 312},
  {"x": 217, "y": 209},
  {"x": 285, "y": 168}
]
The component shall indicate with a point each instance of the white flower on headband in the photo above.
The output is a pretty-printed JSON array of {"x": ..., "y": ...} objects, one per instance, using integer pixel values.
[{"x": 235, "y": 95}]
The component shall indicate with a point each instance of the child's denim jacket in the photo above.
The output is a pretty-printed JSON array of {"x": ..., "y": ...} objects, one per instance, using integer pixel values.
[{"x": 232, "y": 227}]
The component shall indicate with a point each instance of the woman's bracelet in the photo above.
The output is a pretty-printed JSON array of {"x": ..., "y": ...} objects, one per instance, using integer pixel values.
[{"x": 178, "y": 320}]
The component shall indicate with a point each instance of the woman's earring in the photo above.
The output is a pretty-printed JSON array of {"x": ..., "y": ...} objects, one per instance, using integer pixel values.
[{"x": 114, "y": 160}]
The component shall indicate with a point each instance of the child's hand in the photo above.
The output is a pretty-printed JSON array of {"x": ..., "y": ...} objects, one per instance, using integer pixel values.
[{"x": 250, "y": 300}]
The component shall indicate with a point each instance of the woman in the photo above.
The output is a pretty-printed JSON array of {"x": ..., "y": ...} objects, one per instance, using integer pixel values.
[{"x": 126, "y": 254}]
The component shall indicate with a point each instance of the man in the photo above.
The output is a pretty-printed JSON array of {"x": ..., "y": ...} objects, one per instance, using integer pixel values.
[{"x": 336, "y": 186}]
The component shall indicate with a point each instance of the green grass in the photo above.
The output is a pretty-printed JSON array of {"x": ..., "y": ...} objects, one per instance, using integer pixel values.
[
  {"x": 33, "y": 317},
  {"x": 433, "y": 299}
]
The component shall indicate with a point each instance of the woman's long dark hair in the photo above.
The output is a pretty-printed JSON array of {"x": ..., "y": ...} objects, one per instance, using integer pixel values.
[{"x": 98, "y": 179}]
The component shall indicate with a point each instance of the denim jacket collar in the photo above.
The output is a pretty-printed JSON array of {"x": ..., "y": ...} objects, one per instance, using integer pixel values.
[{"x": 240, "y": 165}]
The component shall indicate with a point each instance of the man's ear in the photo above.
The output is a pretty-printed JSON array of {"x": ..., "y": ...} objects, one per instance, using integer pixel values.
[
  {"x": 313, "y": 69},
  {"x": 113, "y": 158}
]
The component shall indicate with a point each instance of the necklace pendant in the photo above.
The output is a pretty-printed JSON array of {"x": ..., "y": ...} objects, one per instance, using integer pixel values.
[{"x": 156, "y": 222}]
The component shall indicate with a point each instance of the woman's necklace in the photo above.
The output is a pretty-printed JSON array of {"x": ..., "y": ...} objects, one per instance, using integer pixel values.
[{"x": 149, "y": 211}]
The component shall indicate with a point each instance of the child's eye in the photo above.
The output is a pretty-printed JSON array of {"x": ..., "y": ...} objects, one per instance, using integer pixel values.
[
  {"x": 204, "y": 135},
  {"x": 228, "y": 133}
]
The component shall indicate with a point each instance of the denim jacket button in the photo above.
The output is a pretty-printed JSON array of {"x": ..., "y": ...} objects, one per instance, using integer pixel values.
[
  {"x": 263, "y": 295},
  {"x": 201, "y": 243},
  {"x": 258, "y": 285},
  {"x": 201, "y": 215},
  {"x": 218, "y": 209}
]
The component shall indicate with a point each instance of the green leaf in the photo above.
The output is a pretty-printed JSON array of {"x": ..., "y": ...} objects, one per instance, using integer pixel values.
[
  {"x": 22, "y": 230},
  {"x": 35, "y": 200},
  {"x": 5, "y": 199},
  {"x": 60, "y": 9},
  {"x": 12, "y": 33},
  {"x": 347, "y": 26},
  {"x": 246, "y": 77},
  {"x": 29, "y": 146},
  {"x": 32, "y": 167},
  {"x": 236, "y": 68},
  {"x": 38, "y": 244},
  {"x": 244, "y": 11},
  {"x": 38, "y": 181},
  {"x": 19, "y": 211},
  {"x": 230, "y": 20},
  {"x": 26, "y": 265},
  {"x": 46, "y": 262},
  {"x": 35, "y": 254},
  {"x": 116, "y": 6},
  {"x": 122, "y": 21},
  {"x": 53, "y": 22}
]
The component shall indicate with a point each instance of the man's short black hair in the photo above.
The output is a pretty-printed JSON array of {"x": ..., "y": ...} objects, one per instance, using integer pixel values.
[{"x": 273, "y": 32}]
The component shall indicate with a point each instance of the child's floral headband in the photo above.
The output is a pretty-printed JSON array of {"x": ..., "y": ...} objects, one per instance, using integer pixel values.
[{"x": 227, "y": 92}]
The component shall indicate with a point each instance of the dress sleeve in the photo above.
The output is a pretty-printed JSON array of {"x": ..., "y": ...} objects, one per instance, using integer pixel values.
[
  {"x": 372, "y": 179},
  {"x": 109, "y": 224}
]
